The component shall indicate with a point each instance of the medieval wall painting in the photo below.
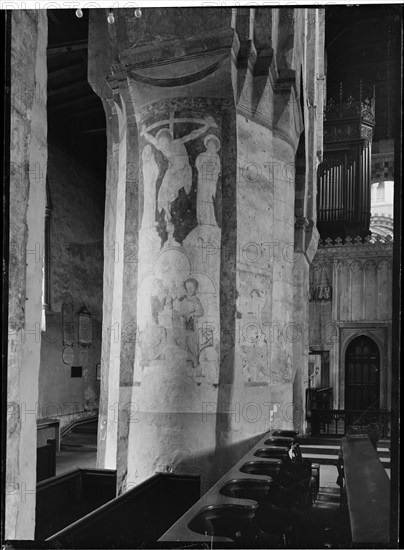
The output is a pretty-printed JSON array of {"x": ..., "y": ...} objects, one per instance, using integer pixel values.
[
  {"x": 180, "y": 168},
  {"x": 208, "y": 165},
  {"x": 178, "y": 299},
  {"x": 150, "y": 174},
  {"x": 254, "y": 335}
]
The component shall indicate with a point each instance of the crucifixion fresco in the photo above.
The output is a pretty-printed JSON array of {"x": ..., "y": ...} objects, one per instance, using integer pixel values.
[{"x": 178, "y": 175}]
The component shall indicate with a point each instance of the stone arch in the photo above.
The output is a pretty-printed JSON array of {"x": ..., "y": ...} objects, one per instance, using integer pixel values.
[{"x": 369, "y": 333}]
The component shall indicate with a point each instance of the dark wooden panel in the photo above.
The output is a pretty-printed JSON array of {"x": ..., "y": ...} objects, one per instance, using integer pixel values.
[
  {"x": 46, "y": 460},
  {"x": 135, "y": 519},
  {"x": 362, "y": 374},
  {"x": 63, "y": 499}
]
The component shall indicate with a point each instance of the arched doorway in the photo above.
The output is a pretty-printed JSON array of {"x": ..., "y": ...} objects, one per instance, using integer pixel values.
[{"x": 362, "y": 375}]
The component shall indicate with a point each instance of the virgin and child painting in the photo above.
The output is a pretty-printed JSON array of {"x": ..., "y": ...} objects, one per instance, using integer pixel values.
[{"x": 174, "y": 324}]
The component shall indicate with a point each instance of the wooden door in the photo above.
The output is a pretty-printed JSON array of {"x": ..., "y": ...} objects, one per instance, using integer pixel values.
[{"x": 362, "y": 375}]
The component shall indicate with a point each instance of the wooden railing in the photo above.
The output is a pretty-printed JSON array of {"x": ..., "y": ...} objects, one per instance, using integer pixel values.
[{"x": 336, "y": 421}]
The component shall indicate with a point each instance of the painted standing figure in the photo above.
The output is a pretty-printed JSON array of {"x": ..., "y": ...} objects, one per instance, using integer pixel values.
[
  {"x": 208, "y": 166},
  {"x": 187, "y": 309},
  {"x": 150, "y": 175},
  {"x": 158, "y": 300}
]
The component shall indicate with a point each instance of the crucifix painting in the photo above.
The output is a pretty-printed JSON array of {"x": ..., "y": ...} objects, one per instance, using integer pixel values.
[{"x": 178, "y": 174}]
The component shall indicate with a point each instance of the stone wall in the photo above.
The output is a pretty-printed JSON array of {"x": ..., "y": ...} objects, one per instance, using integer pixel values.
[
  {"x": 76, "y": 263},
  {"x": 28, "y": 159}
]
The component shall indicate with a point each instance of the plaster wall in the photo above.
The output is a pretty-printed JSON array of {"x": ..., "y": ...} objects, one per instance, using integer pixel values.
[
  {"x": 76, "y": 263},
  {"x": 265, "y": 328},
  {"x": 257, "y": 394}
]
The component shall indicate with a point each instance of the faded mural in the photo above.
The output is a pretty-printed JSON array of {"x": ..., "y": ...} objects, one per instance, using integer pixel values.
[{"x": 178, "y": 300}]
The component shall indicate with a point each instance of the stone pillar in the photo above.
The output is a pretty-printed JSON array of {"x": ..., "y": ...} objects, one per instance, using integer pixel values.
[
  {"x": 212, "y": 125},
  {"x": 28, "y": 158},
  {"x": 182, "y": 113},
  {"x": 113, "y": 331},
  {"x": 306, "y": 234},
  {"x": 114, "y": 228}
]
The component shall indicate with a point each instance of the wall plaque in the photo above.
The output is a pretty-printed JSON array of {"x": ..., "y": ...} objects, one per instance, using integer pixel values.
[
  {"x": 85, "y": 327},
  {"x": 68, "y": 355}
]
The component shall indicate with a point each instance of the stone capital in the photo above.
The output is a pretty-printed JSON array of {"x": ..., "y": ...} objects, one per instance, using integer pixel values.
[{"x": 225, "y": 56}]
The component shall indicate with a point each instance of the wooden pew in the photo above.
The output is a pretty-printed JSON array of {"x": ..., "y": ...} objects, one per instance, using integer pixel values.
[
  {"x": 46, "y": 460},
  {"x": 135, "y": 519},
  {"x": 368, "y": 492},
  {"x": 63, "y": 499}
]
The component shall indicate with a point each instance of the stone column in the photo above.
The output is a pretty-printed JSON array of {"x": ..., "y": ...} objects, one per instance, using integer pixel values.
[
  {"x": 119, "y": 248},
  {"x": 28, "y": 158},
  {"x": 112, "y": 284},
  {"x": 212, "y": 126},
  {"x": 306, "y": 234},
  {"x": 182, "y": 113}
]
